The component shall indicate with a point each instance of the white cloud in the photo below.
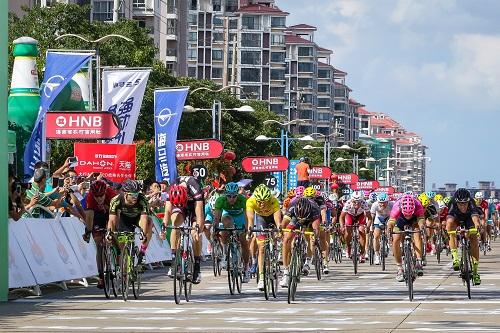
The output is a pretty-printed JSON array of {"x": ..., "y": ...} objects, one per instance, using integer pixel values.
[
  {"x": 413, "y": 11},
  {"x": 348, "y": 8}
]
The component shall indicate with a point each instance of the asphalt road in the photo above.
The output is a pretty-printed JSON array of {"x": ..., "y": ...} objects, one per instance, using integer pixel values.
[{"x": 372, "y": 301}]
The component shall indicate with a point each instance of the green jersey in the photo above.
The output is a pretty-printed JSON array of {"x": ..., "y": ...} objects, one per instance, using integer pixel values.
[
  {"x": 117, "y": 205},
  {"x": 237, "y": 208}
]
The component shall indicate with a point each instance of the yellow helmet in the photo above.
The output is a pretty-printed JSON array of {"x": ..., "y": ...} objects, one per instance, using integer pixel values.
[
  {"x": 438, "y": 197},
  {"x": 309, "y": 192},
  {"x": 422, "y": 196},
  {"x": 425, "y": 201}
]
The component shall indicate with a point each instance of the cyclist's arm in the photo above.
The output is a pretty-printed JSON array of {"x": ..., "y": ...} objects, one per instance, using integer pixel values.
[
  {"x": 250, "y": 214},
  {"x": 323, "y": 216},
  {"x": 369, "y": 218},
  {"x": 217, "y": 216},
  {"x": 168, "y": 213},
  {"x": 342, "y": 219},
  {"x": 475, "y": 220},
  {"x": 277, "y": 217}
]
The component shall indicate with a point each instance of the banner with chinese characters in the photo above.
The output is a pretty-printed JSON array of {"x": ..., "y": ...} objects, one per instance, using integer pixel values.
[
  {"x": 115, "y": 162},
  {"x": 122, "y": 93},
  {"x": 168, "y": 106}
]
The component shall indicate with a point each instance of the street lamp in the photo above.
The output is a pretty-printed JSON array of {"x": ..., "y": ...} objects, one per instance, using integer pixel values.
[{"x": 96, "y": 43}]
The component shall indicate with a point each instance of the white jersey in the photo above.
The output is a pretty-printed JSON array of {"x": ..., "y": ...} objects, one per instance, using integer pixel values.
[{"x": 378, "y": 212}]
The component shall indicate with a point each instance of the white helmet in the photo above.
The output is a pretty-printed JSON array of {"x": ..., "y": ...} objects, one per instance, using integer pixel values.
[
  {"x": 479, "y": 195},
  {"x": 441, "y": 204},
  {"x": 333, "y": 197},
  {"x": 357, "y": 195}
]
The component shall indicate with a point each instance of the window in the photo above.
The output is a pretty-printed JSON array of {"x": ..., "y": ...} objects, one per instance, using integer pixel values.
[
  {"x": 192, "y": 54},
  {"x": 172, "y": 7},
  {"x": 305, "y": 83},
  {"x": 305, "y": 114},
  {"x": 252, "y": 92},
  {"x": 218, "y": 37},
  {"x": 323, "y": 102},
  {"x": 278, "y": 22},
  {"x": 339, "y": 106},
  {"x": 277, "y": 74},
  {"x": 103, "y": 11},
  {"x": 216, "y": 73},
  {"x": 305, "y": 51},
  {"x": 306, "y": 98},
  {"x": 218, "y": 21},
  {"x": 192, "y": 71},
  {"x": 231, "y": 5},
  {"x": 324, "y": 88},
  {"x": 141, "y": 24},
  {"x": 305, "y": 129},
  {"x": 139, "y": 4},
  {"x": 250, "y": 74},
  {"x": 323, "y": 73},
  {"x": 306, "y": 67},
  {"x": 193, "y": 4},
  {"x": 250, "y": 22},
  {"x": 323, "y": 116},
  {"x": 217, "y": 7},
  {"x": 250, "y": 57},
  {"x": 277, "y": 108},
  {"x": 278, "y": 57},
  {"x": 340, "y": 93},
  {"x": 278, "y": 92},
  {"x": 233, "y": 24},
  {"x": 277, "y": 39},
  {"x": 217, "y": 55},
  {"x": 193, "y": 36},
  {"x": 193, "y": 19},
  {"x": 250, "y": 40},
  {"x": 323, "y": 130},
  {"x": 171, "y": 27}
]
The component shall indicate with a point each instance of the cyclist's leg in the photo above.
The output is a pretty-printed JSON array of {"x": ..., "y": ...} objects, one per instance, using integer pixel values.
[
  {"x": 362, "y": 234},
  {"x": 146, "y": 224},
  {"x": 260, "y": 223},
  {"x": 227, "y": 222},
  {"x": 324, "y": 238},
  {"x": 348, "y": 232},
  {"x": 376, "y": 236},
  {"x": 451, "y": 227},
  {"x": 240, "y": 223}
]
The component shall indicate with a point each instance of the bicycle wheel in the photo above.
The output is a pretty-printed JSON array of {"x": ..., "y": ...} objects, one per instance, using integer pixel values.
[
  {"x": 274, "y": 276},
  {"x": 231, "y": 279},
  {"x": 106, "y": 271},
  {"x": 354, "y": 253},
  {"x": 216, "y": 258},
  {"x": 178, "y": 276},
  {"x": 238, "y": 268},
  {"x": 136, "y": 280},
  {"x": 439, "y": 247},
  {"x": 188, "y": 272},
  {"x": 466, "y": 268},
  {"x": 295, "y": 271},
  {"x": 371, "y": 251},
  {"x": 383, "y": 245},
  {"x": 125, "y": 270},
  {"x": 317, "y": 261},
  {"x": 115, "y": 272},
  {"x": 267, "y": 273},
  {"x": 408, "y": 271},
  {"x": 338, "y": 249}
]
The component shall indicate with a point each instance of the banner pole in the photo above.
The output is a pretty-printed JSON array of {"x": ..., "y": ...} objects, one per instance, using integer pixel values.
[{"x": 4, "y": 222}]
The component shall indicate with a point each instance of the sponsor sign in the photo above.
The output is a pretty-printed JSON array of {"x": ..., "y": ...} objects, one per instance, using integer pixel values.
[
  {"x": 115, "y": 162},
  {"x": 320, "y": 172},
  {"x": 347, "y": 178},
  {"x": 200, "y": 172},
  {"x": 271, "y": 181},
  {"x": 81, "y": 125},
  {"x": 292, "y": 174},
  {"x": 365, "y": 185},
  {"x": 386, "y": 189},
  {"x": 264, "y": 163},
  {"x": 198, "y": 149}
]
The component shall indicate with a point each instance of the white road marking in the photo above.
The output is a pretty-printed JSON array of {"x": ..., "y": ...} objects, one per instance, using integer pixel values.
[{"x": 67, "y": 328}]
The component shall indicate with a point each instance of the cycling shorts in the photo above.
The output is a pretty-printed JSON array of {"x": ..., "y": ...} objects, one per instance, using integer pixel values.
[
  {"x": 349, "y": 219},
  {"x": 380, "y": 221},
  {"x": 401, "y": 223},
  {"x": 239, "y": 221},
  {"x": 128, "y": 223},
  {"x": 490, "y": 222}
]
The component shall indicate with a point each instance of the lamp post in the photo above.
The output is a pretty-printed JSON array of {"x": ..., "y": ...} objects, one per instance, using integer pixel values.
[
  {"x": 96, "y": 43},
  {"x": 217, "y": 109}
]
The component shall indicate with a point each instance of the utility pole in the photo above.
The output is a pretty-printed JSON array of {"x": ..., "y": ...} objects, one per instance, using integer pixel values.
[
  {"x": 233, "y": 69},
  {"x": 116, "y": 6},
  {"x": 226, "y": 51}
]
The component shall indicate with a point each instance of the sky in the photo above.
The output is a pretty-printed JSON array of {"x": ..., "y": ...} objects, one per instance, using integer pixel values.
[{"x": 432, "y": 65}]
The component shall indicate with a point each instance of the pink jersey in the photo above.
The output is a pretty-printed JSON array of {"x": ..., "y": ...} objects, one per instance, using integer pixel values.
[{"x": 396, "y": 210}]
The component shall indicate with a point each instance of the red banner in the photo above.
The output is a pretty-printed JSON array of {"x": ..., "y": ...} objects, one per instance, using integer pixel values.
[
  {"x": 115, "y": 162},
  {"x": 320, "y": 172},
  {"x": 198, "y": 149},
  {"x": 81, "y": 125},
  {"x": 365, "y": 185},
  {"x": 264, "y": 164},
  {"x": 347, "y": 178},
  {"x": 386, "y": 189}
]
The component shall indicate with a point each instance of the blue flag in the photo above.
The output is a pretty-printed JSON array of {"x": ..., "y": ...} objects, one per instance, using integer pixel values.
[
  {"x": 60, "y": 67},
  {"x": 168, "y": 105}
]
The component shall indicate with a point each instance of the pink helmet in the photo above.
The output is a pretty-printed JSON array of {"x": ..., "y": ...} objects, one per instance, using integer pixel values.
[
  {"x": 366, "y": 193},
  {"x": 319, "y": 194},
  {"x": 407, "y": 204},
  {"x": 299, "y": 191}
]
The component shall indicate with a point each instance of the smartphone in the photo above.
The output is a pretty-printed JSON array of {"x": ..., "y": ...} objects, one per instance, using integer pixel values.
[
  {"x": 95, "y": 174},
  {"x": 55, "y": 182},
  {"x": 86, "y": 185},
  {"x": 60, "y": 182},
  {"x": 18, "y": 188},
  {"x": 73, "y": 161}
]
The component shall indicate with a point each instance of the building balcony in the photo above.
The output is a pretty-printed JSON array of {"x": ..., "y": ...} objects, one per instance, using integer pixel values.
[
  {"x": 171, "y": 59},
  {"x": 143, "y": 8}
]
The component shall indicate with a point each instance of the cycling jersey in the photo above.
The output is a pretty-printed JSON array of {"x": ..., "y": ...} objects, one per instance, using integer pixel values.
[
  {"x": 320, "y": 201},
  {"x": 89, "y": 202},
  {"x": 430, "y": 212},
  {"x": 209, "y": 216},
  {"x": 194, "y": 191},
  {"x": 491, "y": 210},
  {"x": 443, "y": 214},
  {"x": 117, "y": 205},
  {"x": 463, "y": 218},
  {"x": 270, "y": 206},
  {"x": 377, "y": 211},
  {"x": 237, "y": 208},
  {"x": 291, "y": 214},
  {"x": 396, "y": 210},
  {"x": 350, "y": 208}
]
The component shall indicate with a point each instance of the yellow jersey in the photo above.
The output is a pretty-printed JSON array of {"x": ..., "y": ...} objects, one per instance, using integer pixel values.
[{"x": 270, "y": 206}]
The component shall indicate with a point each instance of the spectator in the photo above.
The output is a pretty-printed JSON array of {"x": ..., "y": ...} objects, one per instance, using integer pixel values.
[
  {"x": 16, "y": 206},
  {"x": 303, "y": 169},
  {"x": 154, "y": 196},
  {"x": 37, "y": 196}
]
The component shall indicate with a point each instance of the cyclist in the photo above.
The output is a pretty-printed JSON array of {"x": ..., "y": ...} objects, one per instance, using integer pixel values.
[
  {"x": 407, "y": 211},
  {"x": 431, "y": 217},
  {"x": 262, "y": 210},
  {"x": 129, "y": 210},
  {"x": 356, "y": 209},
  {"x": 230, "y": 209},
  {"x": 302, "y": 212},
  {"x": 380, "y": 211},
  {"x": 316, "y": 196},
  {"x": 186, "y": 199},
  {"x": 209, "y": 218},
  {"x": 483, "y": 211},
  {"x": 96, "y": 204},
  {"x": 463, "y": 212},
  {"x": 492, "y": 218}
]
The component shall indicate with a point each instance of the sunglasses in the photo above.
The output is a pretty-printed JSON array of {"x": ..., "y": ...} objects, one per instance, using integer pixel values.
[
  {"x": 231, "y": 196},
  {"x": 134, "y": 195}
]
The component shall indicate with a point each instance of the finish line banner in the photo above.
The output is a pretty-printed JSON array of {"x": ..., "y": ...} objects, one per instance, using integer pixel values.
[
  {"x": 168, "y": 106},
  {"x": 122, "y": 94}
]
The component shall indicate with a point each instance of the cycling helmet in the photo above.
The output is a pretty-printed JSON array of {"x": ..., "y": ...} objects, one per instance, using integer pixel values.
[
  {"x": 286, "y": 203},
  {"x": 425, "y": 202},
  {"x": 441, "y": 204},
  {"x": 213, "y": 199},
  {"x": 373, "y": 196},
  {"x": 303, "y": 208},
  {"x": 462, "y": 195},
  {"x": 438, "y": 197},
  {"x": 299, "y": 191},
  {"x": 366, "y": 194},
  {"x": 130, "y": 186},
  {"x": 309, "y": 192},
  {"x": 430, "y": 194},
  {"x": 479, "y": 195},
  {"x": 319, "y": 194},
  {"x": 232, "y": 188},
  {"x": 446, "y": 200},
  {"x": 178, "y": 196},
  {"x": 407, "y": 204},
  {"x": 291, "y": 193},
  {"x": 422, "y": 196},
  {"x": 409, "y": 193},
  {"x": 98, "y": 188},
  {"x": 357, "y": 195},
  {"x": 382, "y": 197},
  {"x": 262, "y": 193}
]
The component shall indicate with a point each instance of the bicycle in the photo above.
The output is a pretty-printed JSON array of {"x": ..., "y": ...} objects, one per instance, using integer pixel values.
[
  {"x": 110, "y": 266},
  {"x": 384, "y": 245},
  {"x": 439, "y": 242},
  {"x": 317, "y": 259},
  {"x": 129, "y": 264},
  {"x": 370, "y": 249},
  {"x": 271, "y": 264},
  {"x": 336, "y": 245},
  {"x": 298, "y": 254},
  {"x": 184, "y": 262},
  {"x": 355, "y": 251},
  {"x": 233, "y": 259},
  {"x": 217, "y": 253},
  {"x": 466, "y": 257},
  {"x": 409, "y": 260}
]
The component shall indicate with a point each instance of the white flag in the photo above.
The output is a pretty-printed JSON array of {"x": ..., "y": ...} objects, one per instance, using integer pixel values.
[{"x": 122, "y": 93}]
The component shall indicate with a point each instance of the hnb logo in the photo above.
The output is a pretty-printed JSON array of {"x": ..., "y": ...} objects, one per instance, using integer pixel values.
[{"x": 126, "y": 83}]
